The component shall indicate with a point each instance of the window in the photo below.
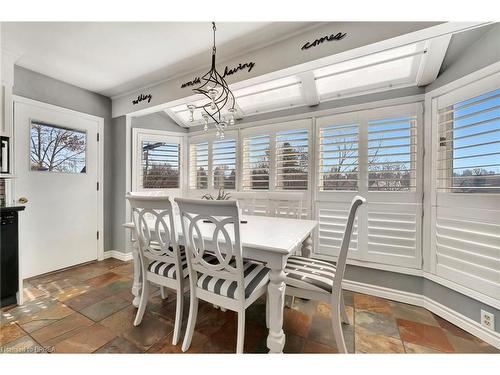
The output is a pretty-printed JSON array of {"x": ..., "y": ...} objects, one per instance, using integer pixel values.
[
  {"x": 292, "y": 159},
  {"x": 213, "y": 163},
  {"x": 224, "y": 164},
  {"x": 57, "y": 149},
  {"x": 469, "y": 145},
  {"x": 387, "y": 69},
  {"x": 256, "y": 152},
  {"x": 338, "y": 157},
  {"x": 160, "y": 165},
  {"x": 392, "y": 150},
  {"x": 199, "y": 166}
]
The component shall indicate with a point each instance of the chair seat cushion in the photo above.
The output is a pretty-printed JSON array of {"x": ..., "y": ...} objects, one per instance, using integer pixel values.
[
  {"x": 256, "y": 276},
  {"x": 168, "y": 269},
  {"x": 310, "y": 274}
]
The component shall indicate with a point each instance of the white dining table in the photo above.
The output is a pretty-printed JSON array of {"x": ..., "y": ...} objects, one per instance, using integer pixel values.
[{"x": 270, "y": 240}]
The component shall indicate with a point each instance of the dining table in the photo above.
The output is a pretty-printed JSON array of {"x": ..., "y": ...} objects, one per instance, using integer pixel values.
[{"x": 270, "y": 240}]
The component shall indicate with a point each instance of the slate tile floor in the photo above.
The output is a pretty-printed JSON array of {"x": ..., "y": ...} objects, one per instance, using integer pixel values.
[{"x": 88, "y": 309}]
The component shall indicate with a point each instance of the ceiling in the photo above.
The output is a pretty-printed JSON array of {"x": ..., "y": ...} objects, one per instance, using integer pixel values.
[{"x": 112, "y": 58}]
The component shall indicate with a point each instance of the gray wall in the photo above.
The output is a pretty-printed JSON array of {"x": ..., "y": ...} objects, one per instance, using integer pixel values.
[
  {"x": 118, "y": 131},
  {"x": 483, "y": 52},
  {"x": 36, "y": 86}
]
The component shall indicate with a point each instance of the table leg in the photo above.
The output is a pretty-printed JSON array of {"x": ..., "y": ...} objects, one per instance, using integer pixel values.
[
  {"x": 276, "y": 295},
  {"x": 137, "y": 285},
  {"x": 307, "y": 247}
]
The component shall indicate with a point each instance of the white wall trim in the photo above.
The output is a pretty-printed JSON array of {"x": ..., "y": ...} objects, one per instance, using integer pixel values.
[
  {"x": 467, "y": 324},
  {"x": 124, "y": 257}
]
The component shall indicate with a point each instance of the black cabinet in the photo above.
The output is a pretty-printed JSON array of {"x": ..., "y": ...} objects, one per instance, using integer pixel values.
[{"x": 9, "y": 254}]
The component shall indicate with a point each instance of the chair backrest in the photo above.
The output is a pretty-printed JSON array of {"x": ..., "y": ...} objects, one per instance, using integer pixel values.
[
  {"x": 285, "y": 204},
  {"x": 211, "y": 232},
  {"x": 155, "y": 229},
  {"x": 246, "y": 202},
  {"x": 344, "y": 247}
]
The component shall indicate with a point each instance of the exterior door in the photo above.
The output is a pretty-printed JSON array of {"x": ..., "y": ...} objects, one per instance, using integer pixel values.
[{"x": 57, "y": 170}]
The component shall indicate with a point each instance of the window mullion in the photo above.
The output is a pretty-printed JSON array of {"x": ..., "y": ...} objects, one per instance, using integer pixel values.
[
  {"x": 272, "y": 162},
  {"x": 210, "y": 184}
]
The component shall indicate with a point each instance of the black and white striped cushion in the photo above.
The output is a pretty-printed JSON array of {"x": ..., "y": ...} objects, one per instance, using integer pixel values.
[
  {"x": 168, "y": 269},
  {"x": 256, "y": 276},
  {"x": 309, "y": 274}
]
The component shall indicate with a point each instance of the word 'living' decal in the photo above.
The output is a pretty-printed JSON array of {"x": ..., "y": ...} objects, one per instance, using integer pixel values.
[
  {"x": 227, "y": 72},
  {"x": 141, "y": 98},
  {"x": 327, "y": 38}
]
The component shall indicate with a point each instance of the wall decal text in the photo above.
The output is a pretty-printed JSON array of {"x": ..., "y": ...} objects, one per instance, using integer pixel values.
[
  {"x": 227, "y": 72},
  {"x": 327, "y": 38},
  {"x": 141, "y": 98}
]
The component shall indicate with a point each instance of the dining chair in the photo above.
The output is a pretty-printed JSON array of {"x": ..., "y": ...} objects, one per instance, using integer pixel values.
[
  {"x": 163, "y": 260},
  {"x": 316, "y": 279},
  {"x": 285, "y": 204},
  {"x": 218, "y": 274}
]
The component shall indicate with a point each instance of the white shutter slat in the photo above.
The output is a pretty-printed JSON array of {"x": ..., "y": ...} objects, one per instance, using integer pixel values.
[
  {"x": 255, "y": 173},
  {"x": 198, "y": 178},
  {"x": 338, "y": 157},
  {"x": 291, "y": 159},
  {"x": 224, "y": 164}
]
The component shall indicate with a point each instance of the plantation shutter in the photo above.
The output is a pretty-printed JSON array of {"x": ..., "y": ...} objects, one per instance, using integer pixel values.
[
  {"x": 256, "y": 162},
  {"x": 467, "y": 182},
  {"x": 224, "y": 164},
  {"x": 292, "y": 148},
  {"x": 338, "y": 157},
  {"x": 160, "y": 165},
  {"x": 392, "y": 154},
  {"x": 198, "y": 166}
]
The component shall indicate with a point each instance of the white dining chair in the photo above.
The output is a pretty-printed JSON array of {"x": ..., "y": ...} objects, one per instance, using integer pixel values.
[
  {"x": 285, "y": 204},
  {"x": 217, "y": 272},
  {"x": 163, "y": 260},
  {"x": 316, "y": 279}
]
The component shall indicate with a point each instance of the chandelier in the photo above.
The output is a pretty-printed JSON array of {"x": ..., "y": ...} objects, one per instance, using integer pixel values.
[{"x": 219, "y": 96}]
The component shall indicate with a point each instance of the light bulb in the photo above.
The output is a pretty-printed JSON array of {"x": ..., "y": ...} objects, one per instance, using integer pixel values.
[
  {"x": 191, "y": 112},
  {"x": 231, "y": 111},
  {"x": 217, "y": 134},
  {"x": 222, "y": 135}
]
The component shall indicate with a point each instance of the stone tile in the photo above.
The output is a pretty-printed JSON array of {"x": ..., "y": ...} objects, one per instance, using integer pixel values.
[
  {"x": 305, "y": 306},
  {"x": 119, "y": 285},
  {"x": 413, "y": 313},
  {"x": 372, "y": 303},
  {"x": 296, "y": 322},
  {"x": 425, "y": 335},
  {"x": 119, "y": 345},
  {"x": 71, "y": 292},
  {"x": 293, "y": 344},
  {"x": 377, "y": 323},
  {"x": 59, "y": 286},
  {"x": 31, "y": 293},
  {"x": 103, "y": 280},
  {"x": 10, "y": 332},
  {"x": 122, "y": 320},
  {"x": 454, "y": 330},
  {"x": 22, "y": 345},
  {"x": 104, "y": 308},
  {"x": 324, "y": 309},
  {"x": 151, "y": 329},
  {"x": 312, "y": 347},
  {"x": 348, "y": 297},
  {"x": 321, "y": 331},
  {"x": 52, "y": 334},
  {"x": 37, "y": 324},
  {"x": 366, "y": 342},
  {"x": 52, "y": 312},
  {"x": 86, "y": 341},
  {"x": 126, "y": 270},
  {"x": 462, "y": 345},
  {"x": 419, "y": 349},
  {"x": 15, "y": 313},
  {"x": 225, "y": 338},
  {"x": 84, "y": 300},
  {"x": 164, "y": 345}
]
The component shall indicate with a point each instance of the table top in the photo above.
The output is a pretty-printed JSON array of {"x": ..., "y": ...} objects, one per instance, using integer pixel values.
[{"x": 275, "y": 234}]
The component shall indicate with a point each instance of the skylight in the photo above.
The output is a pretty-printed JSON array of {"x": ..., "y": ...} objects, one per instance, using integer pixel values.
[{"x": 384, "y": 70}]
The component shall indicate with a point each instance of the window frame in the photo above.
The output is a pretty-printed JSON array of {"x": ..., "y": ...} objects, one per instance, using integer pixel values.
[
  {"x": 210, "y": 138},
  {"x": 272, "y": 130},
  {"x": 138, "y": 136}
]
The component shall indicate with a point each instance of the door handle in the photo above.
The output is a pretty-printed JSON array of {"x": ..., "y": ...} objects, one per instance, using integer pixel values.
[{"x": 23, "y": 200}]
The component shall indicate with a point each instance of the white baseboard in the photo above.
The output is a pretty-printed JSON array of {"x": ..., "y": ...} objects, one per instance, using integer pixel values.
[
  {"x": 467, "y": 324},
  {"x": 125, "y": 257}
]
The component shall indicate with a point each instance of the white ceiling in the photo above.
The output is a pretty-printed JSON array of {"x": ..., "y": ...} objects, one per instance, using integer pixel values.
[{"x": 112, "y": 58}]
